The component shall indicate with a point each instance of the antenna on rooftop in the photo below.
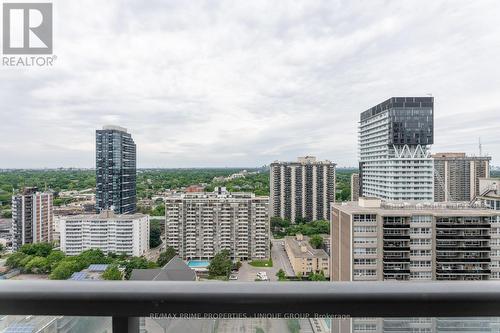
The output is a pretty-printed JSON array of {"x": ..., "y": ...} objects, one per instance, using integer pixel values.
[{"x": 480, "y": 147}]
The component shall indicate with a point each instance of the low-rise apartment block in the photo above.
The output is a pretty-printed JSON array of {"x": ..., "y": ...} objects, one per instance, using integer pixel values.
[
  {"x": 199, "y": 225},
  {"x": 305, "y": 259},
  {"x": 107, "y": 231},
  {"x": 374, "y": 241}
]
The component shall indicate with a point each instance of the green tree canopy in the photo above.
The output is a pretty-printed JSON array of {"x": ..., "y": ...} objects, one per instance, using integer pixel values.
[
  {"x": 166, "y": 256},
  {"x": 65, "y": 269},
  {"x": 154, "y": 234},
  {"x": 14, "y": 260},
  {"x": 317, "y": 277},
  {"x": 37, "y": 249},
  {"x": 112, "y": 273},
  {"x": 316, "y": 241},
  {"x": 281, "y": 275},
  {"x": 55, "y": 257},
  {"x": 137, "y": 263},
  {"x": 220, "y": 265},
  {"x": 38, "y": 265},
  {"x": 92, "y": 256}
]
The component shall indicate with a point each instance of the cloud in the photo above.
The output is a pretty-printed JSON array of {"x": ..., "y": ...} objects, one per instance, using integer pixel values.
[{"x": 244, "y": 83}]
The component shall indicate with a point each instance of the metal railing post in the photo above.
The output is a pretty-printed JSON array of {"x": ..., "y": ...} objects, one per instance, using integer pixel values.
[{"x": 125, "y": 324}]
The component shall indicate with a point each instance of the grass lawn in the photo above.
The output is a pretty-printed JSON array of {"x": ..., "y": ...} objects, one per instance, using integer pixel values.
[{"x": 261, "y": 263}]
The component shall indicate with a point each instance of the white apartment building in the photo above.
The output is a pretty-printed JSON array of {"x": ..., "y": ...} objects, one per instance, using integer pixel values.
[
  {"x": 106, "y": 231},
  {"x": 201, "y": 224},
  {"x": 394, "y": 141}
]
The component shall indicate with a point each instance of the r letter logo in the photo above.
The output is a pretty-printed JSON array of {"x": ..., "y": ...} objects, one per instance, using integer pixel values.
[{"x": 27, "y": 28}]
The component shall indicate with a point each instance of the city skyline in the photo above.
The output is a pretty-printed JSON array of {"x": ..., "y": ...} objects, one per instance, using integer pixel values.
[{"x": 202, "y": 85}]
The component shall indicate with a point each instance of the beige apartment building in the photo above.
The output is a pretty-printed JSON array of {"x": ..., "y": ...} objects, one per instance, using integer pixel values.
[
  {"x": 32, "y": 217},
  {"x": 456, "y": 176},
  {"x": 305, "y": 259},
  {"x": 374, "y": 240},
  {"x": 198, "y": 225}
]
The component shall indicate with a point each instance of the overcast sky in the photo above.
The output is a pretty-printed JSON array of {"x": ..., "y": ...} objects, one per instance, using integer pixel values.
[{"x": 244, "y": 83}]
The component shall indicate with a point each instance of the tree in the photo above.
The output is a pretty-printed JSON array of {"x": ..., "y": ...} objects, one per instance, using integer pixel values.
[
  {"x": 92, "y": 256},
  {"x": 159, "y": 210},
  {"x": 220, "y": 265},
  {"x": 37, "y": 249},
  {"x": 112, "y": 273},
  {"x": 237, "y": 265},
  {"x": 2, "y": 248},
  {"x": 316, "y": 241},
  {"x": 54, "y": 258},
  {"x": 317, "y": 276},
  {"x": 39, "y": 265},
  {"x": 15, "y": 259},
  {"x": 65, "y": 269},
  {"x": 154, "y": 235},
  {"x": 137, "y": 263},
  {"x": 281, "y": 275},
  {"x": 166, "y": 256}
]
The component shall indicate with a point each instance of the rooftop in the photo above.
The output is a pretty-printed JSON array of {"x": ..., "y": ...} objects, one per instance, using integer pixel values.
[
  {"x": 303, "y": 160},
  {"x": 301, "y": 248},
  {"x": 174, "y": 270},
  {"x": 458, "y": 156},
  {"x": 368, "y": 205},
  {"x": 105, "y": 215},
  {"x": 114, "y": 128}
]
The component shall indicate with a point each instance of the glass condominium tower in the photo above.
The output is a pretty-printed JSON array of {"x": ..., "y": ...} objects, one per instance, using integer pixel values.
[
  {"x": 115, "y": 170},
  {"x": 394, "y": 141}
]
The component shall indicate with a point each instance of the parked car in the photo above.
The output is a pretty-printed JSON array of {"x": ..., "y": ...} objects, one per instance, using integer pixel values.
[{"x": 233, "y": 277}]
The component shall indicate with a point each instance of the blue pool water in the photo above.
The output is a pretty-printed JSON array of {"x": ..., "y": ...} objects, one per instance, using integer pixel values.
[{"x": 198, "y": 263}]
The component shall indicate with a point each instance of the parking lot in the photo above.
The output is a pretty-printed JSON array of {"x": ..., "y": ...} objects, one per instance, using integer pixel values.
[{"x": 248, "y": 273}]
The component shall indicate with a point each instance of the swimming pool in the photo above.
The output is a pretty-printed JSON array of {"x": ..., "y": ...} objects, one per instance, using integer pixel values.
[{"x": 198, "y": 263}]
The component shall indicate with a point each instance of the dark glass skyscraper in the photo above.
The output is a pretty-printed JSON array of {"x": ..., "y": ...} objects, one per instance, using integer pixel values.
[{"x": 115, "y": 170}]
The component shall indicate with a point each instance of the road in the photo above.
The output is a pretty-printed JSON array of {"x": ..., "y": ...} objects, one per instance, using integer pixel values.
[
  {"x": 280, "y": 259},
  {"x": 248, "y": 273},
  {"x": 153, "y": 254}
]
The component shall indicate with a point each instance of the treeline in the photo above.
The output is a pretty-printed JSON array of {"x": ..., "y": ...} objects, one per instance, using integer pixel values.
[
  {"x": 42, "y": 258},
  {"x": 282, "y": 227},
  {"x": 149, "y": 182}
]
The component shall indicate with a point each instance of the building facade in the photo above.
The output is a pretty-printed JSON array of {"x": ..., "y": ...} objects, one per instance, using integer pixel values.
[
  {"x": 111, "y": 233},
  {"x": 394, "y": 141},
  {"x": 199, "y": 225},
  {"x": 115, "y": 170},
  {"x": 302, "y": 190},
  {"x": 375, "y": 241},
  {"x": 489, "y": 193},
  {"x": 305, "y": 259},
  {"x": 32, "y": 217},
  {"x": 456, "y": 176},
  {"x": 355, "y": 187}
]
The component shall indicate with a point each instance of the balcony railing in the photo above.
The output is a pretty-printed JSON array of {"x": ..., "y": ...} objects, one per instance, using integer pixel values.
[{"x": 126, "y": 301}]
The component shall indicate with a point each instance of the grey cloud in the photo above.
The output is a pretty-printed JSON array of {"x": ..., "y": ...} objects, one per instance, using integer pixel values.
[{"x": 242, "y": 83}]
